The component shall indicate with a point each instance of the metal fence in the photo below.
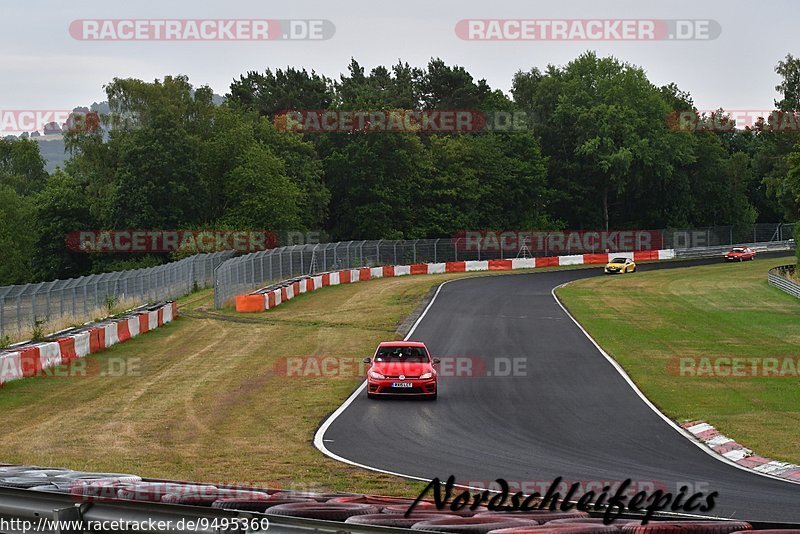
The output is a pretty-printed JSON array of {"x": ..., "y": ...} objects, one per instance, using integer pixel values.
[
  {"x": 245, "y": 273},
  {"x": 79, "y": 299}
]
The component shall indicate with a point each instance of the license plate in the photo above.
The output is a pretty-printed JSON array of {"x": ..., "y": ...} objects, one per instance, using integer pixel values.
[{"x": 401, "y": 384}]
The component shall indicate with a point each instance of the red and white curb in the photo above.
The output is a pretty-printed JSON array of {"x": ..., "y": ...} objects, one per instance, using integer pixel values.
[
  {"x": 261, "y": 300},
  {"x": 31, "y": 359},
  {"x": 725, "y": 446}
]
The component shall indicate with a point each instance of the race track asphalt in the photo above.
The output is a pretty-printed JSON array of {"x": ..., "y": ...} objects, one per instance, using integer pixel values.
[{"x": 572, "y": 414}]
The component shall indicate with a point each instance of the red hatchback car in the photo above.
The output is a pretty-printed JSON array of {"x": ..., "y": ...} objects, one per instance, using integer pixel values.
[
  {"x": 740, "y": 254},
  {"x": 402, "y": 368}
]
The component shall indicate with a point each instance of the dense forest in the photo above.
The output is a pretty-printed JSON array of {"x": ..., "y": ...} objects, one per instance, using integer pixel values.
[{"x": 597, "y": 151}]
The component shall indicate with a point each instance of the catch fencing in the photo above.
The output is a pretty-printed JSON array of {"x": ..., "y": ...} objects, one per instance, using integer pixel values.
[
  {"x": 81, "y": 299},
  {"x": 249, "y": 272}
]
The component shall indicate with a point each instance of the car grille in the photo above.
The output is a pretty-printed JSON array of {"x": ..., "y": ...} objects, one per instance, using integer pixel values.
[
  {"x": 401, "y": 391},
  {"x": 406, "y": 377}
]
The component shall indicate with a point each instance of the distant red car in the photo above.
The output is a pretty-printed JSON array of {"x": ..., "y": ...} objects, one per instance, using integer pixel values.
[
  {"x": 740, "y": 254},
  {"x": 402, "y": 368}
]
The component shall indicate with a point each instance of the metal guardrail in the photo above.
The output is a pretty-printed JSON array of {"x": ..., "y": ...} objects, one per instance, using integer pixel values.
[{"x": 777, "y": 278}]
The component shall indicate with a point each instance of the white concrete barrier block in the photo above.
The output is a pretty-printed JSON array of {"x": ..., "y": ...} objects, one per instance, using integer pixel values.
[
  {"x": 523, "y": 263},
  {"x": 133, "y": 323},
  {"x": 437, "y": 268},
  {"x": 111, "y": 334},
  {"x": 477, "y": 265},
  {"x": 81, "y": 344},
  {"x": 10, "y": 367},
  {"x": 402, "y": 270},
  {"x": 575, "y": 259}
]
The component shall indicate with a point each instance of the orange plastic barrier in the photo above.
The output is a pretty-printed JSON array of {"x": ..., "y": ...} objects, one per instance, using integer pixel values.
[
  {"x": 595, "y": 258},
  {"x": 419, "y": 268},
  {"x": 67, "y": 347},
  {"x": 30, "y": 362},
  {"x": 500, "y": 265},
  {"x": 456, "y": 267},
  {"x": 548, "y": 261},
  {"x": 249, "y": 303},
  {"x": 144, "y": 323},
  {"x": 124, "y": 331}
]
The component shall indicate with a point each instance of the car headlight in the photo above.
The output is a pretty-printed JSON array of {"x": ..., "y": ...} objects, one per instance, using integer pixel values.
[
  {"x": 423, "y": 376},
  {"x": 375, "y": 374}
]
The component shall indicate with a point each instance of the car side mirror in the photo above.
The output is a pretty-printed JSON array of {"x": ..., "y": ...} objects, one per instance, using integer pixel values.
[
  {"x": 436, "y": 360},
  {"x": 367, "y": 360}
]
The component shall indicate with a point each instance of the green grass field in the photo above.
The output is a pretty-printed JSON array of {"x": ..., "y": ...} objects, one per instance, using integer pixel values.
[{"x": 648, "y": 321}]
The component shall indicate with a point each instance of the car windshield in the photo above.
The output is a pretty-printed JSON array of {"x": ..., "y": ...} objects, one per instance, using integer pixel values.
[
  {"x": 401, "y": 354},
  {"x": 618, "y": 260},
  {"x": 738, "y": 250}
]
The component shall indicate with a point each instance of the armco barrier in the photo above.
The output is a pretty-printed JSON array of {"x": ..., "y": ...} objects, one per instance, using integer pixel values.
[
  {"x": 30, "y": 359},
  {"x": 272, "y": 296},
  {"x": 777, "y": 278}
]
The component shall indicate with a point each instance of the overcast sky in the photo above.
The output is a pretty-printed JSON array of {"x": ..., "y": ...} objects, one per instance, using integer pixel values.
[{"x": 43, "y": 67}]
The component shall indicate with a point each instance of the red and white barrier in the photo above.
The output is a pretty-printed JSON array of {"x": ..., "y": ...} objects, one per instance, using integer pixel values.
[
  {"x": 257, "y": 302},
  {"x": 32, "y": 358}
]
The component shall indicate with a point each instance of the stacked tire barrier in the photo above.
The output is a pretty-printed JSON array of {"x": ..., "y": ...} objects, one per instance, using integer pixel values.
[
  {"x": 272, "y": 296},
  {"x": 358, "y": 512},
  {"x": 32, "y": 358},
  {"x": 353, "y": 510}
]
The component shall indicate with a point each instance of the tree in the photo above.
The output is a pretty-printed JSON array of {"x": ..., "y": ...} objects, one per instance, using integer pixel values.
[
  {"x": 273, "y": 92},
  {"x": 60, "y": 209},
  {"x": 22, "y": 166},
  {"x": 259, "y": 194},
  {"x": 16, "y": 236}
]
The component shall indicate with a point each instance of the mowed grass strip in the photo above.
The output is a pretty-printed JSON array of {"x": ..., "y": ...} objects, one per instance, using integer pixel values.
[
  {"x": 649, "y": 320},
  {"x": 207, "y": 398}
]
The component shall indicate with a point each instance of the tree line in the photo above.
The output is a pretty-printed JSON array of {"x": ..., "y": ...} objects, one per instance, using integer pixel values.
[{"x": 597, "y": 149}]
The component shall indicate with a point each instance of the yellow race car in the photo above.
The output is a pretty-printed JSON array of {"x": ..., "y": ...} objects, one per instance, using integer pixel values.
[{"x": 620, "y": 265}]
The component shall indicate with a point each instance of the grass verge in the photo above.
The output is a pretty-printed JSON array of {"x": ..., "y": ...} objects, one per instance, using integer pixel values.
[{"x": 648, "y": 321}]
